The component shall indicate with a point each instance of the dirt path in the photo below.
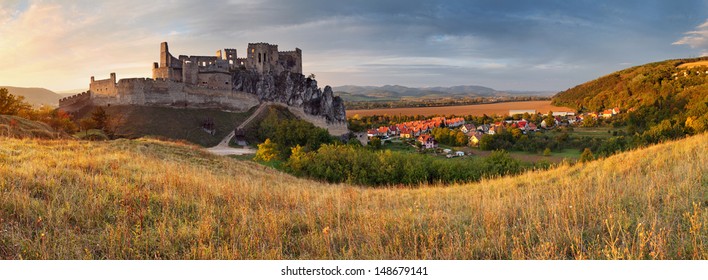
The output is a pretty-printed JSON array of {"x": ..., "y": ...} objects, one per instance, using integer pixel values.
[
  {"x": 225, "y": 151},
  {"x": 223, "y": 148}
]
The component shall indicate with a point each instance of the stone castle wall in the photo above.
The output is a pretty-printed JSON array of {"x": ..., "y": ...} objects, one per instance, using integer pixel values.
[
  {"x": 162, "y": 92},
  {"x": 75, "y": 102}
]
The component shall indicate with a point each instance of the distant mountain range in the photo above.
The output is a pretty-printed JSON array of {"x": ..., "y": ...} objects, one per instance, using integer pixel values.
[
  {"x": 35, "y": 96},
  {"x": 397, "y": 92},
  {"x": 41, "y": 96}
]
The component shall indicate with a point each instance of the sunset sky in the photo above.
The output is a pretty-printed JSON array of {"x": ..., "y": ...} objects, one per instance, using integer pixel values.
[{"x": 507, "y": 45}]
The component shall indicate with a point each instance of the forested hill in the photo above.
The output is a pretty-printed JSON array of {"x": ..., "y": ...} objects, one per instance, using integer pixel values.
[{"x": 674, "y": 90}]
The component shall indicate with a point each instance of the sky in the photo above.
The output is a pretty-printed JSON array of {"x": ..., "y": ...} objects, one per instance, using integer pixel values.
[{"x": 506, "y": 45}]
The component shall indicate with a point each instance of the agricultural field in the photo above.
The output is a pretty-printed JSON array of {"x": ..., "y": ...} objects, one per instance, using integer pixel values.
[
  {"x": 475, "y": 110},
  {"x": 694, "y": 64}
]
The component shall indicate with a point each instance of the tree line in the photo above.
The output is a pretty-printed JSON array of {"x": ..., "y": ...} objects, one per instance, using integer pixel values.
[{"x": 339, "y": 163}]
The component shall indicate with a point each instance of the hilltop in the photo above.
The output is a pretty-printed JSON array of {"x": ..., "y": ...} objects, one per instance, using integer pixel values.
[
  {"x": 668, "y": 90},
  {"x": 148, "y": 199}
]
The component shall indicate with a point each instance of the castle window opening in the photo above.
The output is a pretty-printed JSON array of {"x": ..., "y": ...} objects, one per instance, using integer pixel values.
[{"x": 259, "y": 57}]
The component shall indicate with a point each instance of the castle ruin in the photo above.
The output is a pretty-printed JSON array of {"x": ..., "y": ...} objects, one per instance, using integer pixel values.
[
  {"x": 224, "y": 81},
  {"x": 214, "y": 71}
]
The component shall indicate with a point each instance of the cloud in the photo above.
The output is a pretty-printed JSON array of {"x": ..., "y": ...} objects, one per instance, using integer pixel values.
[
  {"x": 696, "y": 39},
  {"x": 59, "y": 44}
]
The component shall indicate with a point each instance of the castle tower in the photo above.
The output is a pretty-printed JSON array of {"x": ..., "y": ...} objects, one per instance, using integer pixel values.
[
  {"x": 262, "y": 56},
  {"x": 169, "y": 68},
  {"x": 230, "y": 56},
  {"x": 164, "y": 55}
]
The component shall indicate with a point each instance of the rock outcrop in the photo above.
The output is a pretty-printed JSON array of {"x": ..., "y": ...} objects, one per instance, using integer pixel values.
[{"x": 292, "y": 89}]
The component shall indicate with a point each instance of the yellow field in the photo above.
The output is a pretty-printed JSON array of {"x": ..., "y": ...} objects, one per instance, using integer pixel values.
[
  {"x": 475, "y": 110},
  {"x": 146, "y": 199},
  {"x": 694, "y": 64}
]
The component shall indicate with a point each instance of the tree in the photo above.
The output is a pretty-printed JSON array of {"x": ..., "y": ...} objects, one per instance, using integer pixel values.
[
  {"x": 354, "y": 142},
  {"x": 487, "y": 142},
  {"x": 461, "y": 139},
  {"x": 297, "y": 160},
  {"x": 550, "y": 120},
  {"x": 375, "y": 143},
  {"x": 586, "y": 155},
  {"x": 87, "y": 123},
  {"x": 10, "y": 104},
  {"x": 267, "y": 151},
  {"x": 547, "y": 152},
  {"x": 100, "y": 117},
  {"x": 61, "y": 120}
]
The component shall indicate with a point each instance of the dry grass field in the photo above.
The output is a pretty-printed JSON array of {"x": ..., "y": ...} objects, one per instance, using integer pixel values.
[
  {"x": 475, "y": 110},
  {"x": 147, "y": 199},
  {"x": 694, "y": 64}
]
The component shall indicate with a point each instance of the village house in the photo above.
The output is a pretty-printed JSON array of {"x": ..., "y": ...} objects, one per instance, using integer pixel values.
[
  {"x": 531, "y": 127},
  {"x": 475, "y": 137},
  {"x": 483, "y": 128},
  {"x": 406, "y": 133},
  {"x": 428, "y": 141},
  {"x": 383, "y": 131},
  {"x": 454, "y": 122},
  {"x": 467, "y": 128},
  {"x": 607, "y": 113},
  {"x": 496, "y": 129}
]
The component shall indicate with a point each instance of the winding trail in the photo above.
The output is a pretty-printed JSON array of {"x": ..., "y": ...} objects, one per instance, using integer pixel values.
[{"x": 223, "y": 148}]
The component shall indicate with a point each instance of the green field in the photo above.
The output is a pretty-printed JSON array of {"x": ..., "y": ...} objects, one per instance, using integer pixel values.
[{"x": 595, "y": 132}]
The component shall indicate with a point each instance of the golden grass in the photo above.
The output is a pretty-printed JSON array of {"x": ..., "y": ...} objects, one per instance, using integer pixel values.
[
  {"x": 694, "y": 64},
  {"x": 146, "y": 199},
  {"x": 475, "y": 110}
]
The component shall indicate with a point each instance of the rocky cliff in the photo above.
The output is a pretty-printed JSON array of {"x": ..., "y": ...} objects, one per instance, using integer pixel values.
[{"x": 292, "y": 89}]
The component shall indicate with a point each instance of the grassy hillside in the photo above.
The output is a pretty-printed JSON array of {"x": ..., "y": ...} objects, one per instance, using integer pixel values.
[
  {"x": 640, "y": 85},
  {"x": 171, "y": 123},
  {"x": 146, "y": 199},
  {"x": 16, "y": 127}
]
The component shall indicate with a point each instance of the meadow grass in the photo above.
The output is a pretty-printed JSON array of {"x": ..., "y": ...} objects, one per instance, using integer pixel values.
[{"x": 148, "y": 199}]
